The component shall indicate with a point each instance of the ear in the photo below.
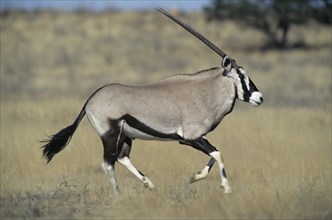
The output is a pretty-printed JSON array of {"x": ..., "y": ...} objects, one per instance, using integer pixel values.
[{"x": 226, "y": 63}]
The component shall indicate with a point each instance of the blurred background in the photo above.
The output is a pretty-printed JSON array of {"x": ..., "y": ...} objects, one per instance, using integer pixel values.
[
  {"x": 102, "y": 5},
  {"x": 54, "y": 54},
  {"x": 128, "y": 41}
]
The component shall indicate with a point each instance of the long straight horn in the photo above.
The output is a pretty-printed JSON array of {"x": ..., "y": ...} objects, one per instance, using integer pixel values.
[{"x": 193, "y": 32}]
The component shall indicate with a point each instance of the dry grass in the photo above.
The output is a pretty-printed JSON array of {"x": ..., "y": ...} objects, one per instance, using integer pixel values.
[{"x": 278, "y": 156}]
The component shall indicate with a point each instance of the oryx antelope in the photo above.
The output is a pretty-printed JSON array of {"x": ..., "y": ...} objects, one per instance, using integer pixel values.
[{"x": 181, "y": 108}]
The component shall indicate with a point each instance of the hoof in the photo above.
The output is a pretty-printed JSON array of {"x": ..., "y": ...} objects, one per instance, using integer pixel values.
[
  {"x": 116, "y": 191},
  {"x": 192, "y": 179},
  {"x": 152, "y": 189},
  {"x": 199, "y": 175},
  {"x": 227, "y": 190},
  {"x": 149, "y": 185}
]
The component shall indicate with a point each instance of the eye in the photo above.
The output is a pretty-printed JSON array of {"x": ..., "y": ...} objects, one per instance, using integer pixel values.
[{"x": 226, "y": 63}]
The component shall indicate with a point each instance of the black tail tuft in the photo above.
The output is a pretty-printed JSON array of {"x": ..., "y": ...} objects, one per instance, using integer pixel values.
[{"x": 59, "y": 141}]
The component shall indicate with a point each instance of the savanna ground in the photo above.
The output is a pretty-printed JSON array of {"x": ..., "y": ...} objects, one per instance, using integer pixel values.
[{"x": 278, "y": 156}]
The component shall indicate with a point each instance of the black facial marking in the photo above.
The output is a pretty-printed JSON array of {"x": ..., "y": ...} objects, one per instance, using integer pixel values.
[
  {"x": 135, "y": 123},
  {"x": 246, "y": 94},
  {"x": 252, "y": 86}
]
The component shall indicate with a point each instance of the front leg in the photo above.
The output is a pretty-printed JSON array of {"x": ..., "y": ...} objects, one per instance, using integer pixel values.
[
  {"x": 203, "y": 145},
  {"x": 203, "y": 173},
  {"x": 224, "y": 181}
]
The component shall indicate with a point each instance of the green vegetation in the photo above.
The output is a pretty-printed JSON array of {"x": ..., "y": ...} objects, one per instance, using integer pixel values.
[{"x": 274, "y": 18}]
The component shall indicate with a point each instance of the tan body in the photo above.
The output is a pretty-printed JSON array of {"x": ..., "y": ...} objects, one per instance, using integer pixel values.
[{"x": 189, "y": 105}]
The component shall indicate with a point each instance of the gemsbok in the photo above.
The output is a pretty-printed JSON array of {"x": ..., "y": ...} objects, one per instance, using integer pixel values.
[{"x": 183, "y": 108}]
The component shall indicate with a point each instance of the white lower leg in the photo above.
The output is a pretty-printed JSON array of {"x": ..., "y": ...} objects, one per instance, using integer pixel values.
[
  {"x": 225, "y": 185},
  {"x": 110, "y": 172},
  {"x": 125, "y": 161},
  {"x": 200, "y": 175},
  {"x": 224, "y": 182},
  {"x": 203, "y": 173}
]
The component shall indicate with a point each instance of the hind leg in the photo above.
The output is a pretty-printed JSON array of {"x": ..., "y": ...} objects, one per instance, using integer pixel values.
[
  {"x": 126, "y": 162},
  {"x": 110, "y": 140},
  {"x": 110, "y": 172},
  {"x": 109, "y": 131}
]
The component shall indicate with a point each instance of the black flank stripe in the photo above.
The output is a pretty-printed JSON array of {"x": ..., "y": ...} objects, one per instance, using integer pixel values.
[{"x": 134, "y": 123}]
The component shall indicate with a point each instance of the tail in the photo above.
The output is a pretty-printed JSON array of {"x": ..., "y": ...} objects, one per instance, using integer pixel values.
[{"x": 59, "y": 141}]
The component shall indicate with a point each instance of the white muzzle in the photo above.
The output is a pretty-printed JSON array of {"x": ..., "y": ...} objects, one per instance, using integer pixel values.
[{"x": 256, "y": 99}]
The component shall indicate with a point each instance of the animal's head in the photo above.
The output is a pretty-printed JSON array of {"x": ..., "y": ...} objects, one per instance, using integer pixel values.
[{"x": 245, "y": 88}]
